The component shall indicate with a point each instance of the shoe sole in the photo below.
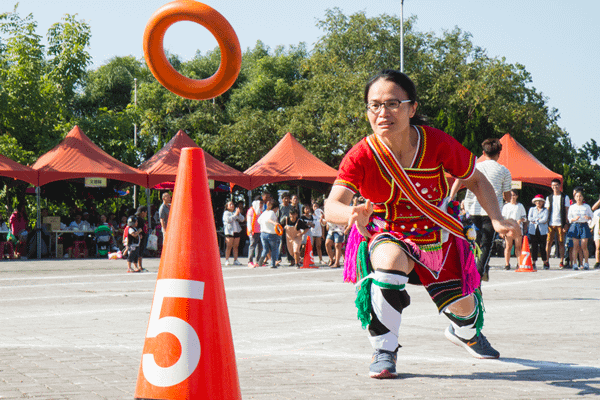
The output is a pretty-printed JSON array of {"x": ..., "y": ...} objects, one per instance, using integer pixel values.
[
  {"x": 385, "y": 374},
  {"x": 458, "y": 342}
]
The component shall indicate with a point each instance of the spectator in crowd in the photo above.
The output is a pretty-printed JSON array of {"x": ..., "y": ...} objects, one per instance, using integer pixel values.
[
  {"x": 316, "y": 231},
  {"x": 513, "y": 210},
  {"x": 163, "y": 212},
  {"x": 18, "y": 222},
  {"x": 270, "y": 240},
  {"x": 538, "y": 230},
  {"x": 295, "y": 203},
  {"x": 232, "y": 228},
  {"x": 334, "y": 243},
  {"x": 142, "y": 225},
  {"x": 3, "y": 227},
  {"x": 284, "y": 212},
  {"x": 558, "y": 207},
  {"x": 579, "y": 216},
  {"x": 295, "y": 228},
  {"x": 266, "y": 196},
  {"x": 253, "y": 230},
  {"x": 595, "y": 227},
  {"x": 308, "y": 218},
  {"x": 133, "y": 243},
  {"x": 499, "y": 176}
]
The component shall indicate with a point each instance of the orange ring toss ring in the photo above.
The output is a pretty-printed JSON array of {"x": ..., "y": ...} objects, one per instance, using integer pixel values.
[
  {"x": 279, "y": 229},
  {"x": 163, "y": 71}
]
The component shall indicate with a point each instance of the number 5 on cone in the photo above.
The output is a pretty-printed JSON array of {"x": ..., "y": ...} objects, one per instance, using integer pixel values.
[{"x": 184, "y": 332}]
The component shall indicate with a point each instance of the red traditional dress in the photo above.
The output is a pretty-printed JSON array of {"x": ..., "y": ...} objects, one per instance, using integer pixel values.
[{"x": 439, "y": 259}]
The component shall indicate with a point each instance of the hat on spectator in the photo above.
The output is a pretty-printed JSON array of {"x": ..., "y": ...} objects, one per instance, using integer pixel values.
[{"x": 538, "y": 197}]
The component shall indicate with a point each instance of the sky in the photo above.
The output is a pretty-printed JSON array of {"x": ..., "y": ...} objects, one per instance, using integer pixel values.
[{"x": 557, "y": 41}]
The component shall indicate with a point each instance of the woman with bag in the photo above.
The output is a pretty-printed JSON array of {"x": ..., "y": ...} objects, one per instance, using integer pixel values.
[{"x": 397, "y": 236}]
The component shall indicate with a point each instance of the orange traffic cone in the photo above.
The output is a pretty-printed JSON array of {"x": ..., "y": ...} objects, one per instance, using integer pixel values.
[
  {"x": 188, "y": 352},
  {"x": 525, "y": 259},
  {"x": 308, "y": 261}
]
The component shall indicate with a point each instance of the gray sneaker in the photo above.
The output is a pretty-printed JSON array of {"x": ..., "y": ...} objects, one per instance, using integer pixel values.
[
  {"x": 383, "y": 365},
  {"x": 477, "y": 346}
]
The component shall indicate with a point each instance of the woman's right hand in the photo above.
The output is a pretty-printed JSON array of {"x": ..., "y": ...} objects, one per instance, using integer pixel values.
[{"x": 360, "y": 217}]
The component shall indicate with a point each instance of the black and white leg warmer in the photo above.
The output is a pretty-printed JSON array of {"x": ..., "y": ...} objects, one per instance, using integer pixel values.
[
  {"x": 388, "y": 299},
  {"x": 465, "y": 327}
]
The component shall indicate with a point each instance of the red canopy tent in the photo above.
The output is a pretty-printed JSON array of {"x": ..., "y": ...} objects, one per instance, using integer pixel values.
[
  {"x": 289, "y": 161},
  {"x": 162, "y": 167},
  {"x": 76, "y": 156},
  {"x": 523, "y": 166},
  {"x": 13, "y": 169}
]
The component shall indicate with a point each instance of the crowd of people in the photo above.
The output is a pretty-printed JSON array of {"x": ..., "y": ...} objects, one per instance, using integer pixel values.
[
  {"x": 87, "y": 232},
  {"x": 567, "y": 225},
  {"x": 277, "y": 230}
]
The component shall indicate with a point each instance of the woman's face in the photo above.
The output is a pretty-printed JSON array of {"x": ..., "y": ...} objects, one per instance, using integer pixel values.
[
  {"x": 388, "y": 122},
  {"x": 514, "y": 197},
  {"x": 579, "y": 198},
  {"x": 230, "y": 206}
]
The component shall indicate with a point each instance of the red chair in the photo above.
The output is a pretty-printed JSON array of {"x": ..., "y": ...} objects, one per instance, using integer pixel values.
[
  {"x": 79, "y": 249},
  {"x": 7, "y": 246}
]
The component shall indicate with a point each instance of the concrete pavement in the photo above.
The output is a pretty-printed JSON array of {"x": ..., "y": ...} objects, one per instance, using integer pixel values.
[{"x": 74, "y": 329}]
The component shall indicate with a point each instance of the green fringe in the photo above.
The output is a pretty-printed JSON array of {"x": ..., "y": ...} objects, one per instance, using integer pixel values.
[
  {"x": 363, "y": 303},
  {"x": 362, "y": 259},
  {"x": 479, "y": 305},
  {"x": 363, "y": 294}
]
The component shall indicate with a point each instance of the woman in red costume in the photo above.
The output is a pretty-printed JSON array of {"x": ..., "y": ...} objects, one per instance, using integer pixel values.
[{"x": 400, "y": 170}]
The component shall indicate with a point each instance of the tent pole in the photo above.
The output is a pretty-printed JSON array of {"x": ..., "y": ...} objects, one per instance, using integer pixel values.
[
  {"x": 149, "y": 209},
  {"x": 39, "y": 223}
]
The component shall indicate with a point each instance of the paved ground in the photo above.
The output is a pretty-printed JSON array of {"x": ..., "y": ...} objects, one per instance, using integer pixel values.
[{"x": 74, "y": 329}]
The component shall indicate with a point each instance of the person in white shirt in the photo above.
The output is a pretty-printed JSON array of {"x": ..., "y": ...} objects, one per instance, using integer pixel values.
[
  {"x": 579, "y": 216},
  {"x": 499, "y": 176},
  {"x": 269, "y": 238},
  {"x": 516, "y": 211},
  {"x": 232, "y": 230},
  {"x": 558, "y": 207}
]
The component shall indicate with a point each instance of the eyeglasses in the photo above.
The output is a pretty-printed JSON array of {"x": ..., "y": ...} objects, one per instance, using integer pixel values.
[{"x": 390, "y": 105}]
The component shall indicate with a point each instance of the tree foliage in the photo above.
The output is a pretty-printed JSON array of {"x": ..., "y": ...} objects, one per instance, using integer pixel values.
[{"x": 316, "y": 95}]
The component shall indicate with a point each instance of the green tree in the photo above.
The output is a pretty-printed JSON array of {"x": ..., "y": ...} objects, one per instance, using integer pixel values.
[{"x": 37, "y": 85}]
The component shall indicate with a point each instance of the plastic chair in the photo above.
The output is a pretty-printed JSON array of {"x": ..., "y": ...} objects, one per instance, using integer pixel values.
[
  {"x": 8, "y": 246},
  {"x": 79, "y": 248}
]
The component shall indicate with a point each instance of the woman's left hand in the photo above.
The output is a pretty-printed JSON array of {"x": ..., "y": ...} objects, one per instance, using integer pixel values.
[{"x": 507, "y": 227}]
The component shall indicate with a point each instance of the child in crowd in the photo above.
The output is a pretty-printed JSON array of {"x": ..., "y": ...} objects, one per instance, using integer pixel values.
[{"x": 133, "y": 243}]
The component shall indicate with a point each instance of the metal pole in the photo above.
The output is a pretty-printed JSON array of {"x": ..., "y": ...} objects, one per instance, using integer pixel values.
[
  {"x": 135, "y": 138},
  {"x": 39, "y": 224},
  {"x": 401, "y": 35}
]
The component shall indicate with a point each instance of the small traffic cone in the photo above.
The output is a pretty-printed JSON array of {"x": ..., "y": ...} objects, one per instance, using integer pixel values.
[
  {"x": 188, "y": 352},
  {"x": 525, "y": 258},
  {"x": 308, "y": 261}
]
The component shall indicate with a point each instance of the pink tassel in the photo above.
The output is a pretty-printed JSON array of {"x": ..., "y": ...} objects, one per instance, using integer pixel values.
[
  {"x": 354, "y": 239},
  {"x": 470, "y": 276}
]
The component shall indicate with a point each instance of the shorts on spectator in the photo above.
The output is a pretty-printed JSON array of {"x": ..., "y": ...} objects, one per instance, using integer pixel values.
[
  {"x": 554, "y": 231},
  {"x": 579, "y": 231},
  {"x": 235, "y": 235},
  {"x": 335, "y": 236}
]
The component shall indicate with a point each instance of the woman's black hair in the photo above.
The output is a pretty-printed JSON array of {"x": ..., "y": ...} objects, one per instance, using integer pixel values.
[{"x": 404, "y": 82}]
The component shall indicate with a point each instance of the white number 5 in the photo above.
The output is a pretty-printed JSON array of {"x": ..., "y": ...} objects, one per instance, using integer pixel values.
[{"x": 184, "y": 332}]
